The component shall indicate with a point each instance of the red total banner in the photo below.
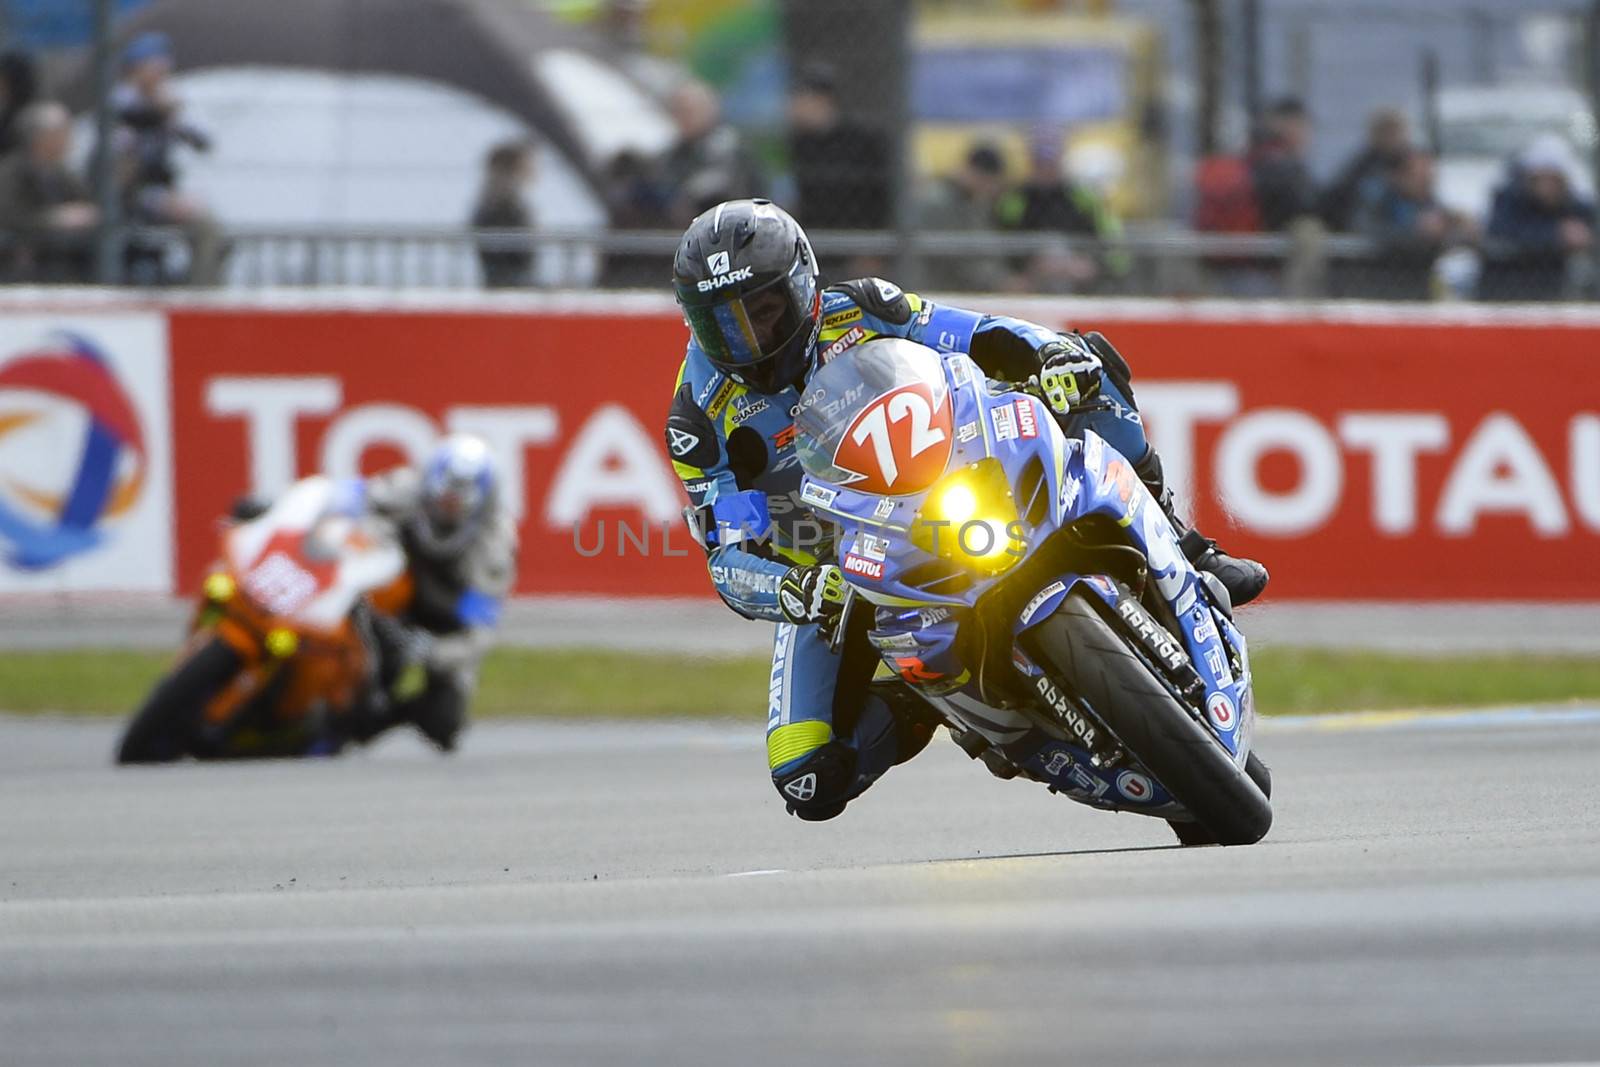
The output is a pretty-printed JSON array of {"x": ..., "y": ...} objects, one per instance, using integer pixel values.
[{"x": 1359, "y": 457}]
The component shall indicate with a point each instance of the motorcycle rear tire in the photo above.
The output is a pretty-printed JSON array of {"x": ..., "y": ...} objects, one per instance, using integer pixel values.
[
  {"x": 1087, "y": 657},
  {"x": 163, "y": 729}
]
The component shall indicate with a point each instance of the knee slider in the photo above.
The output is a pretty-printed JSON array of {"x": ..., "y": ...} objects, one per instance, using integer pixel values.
[{"x": 817, "y": 787}]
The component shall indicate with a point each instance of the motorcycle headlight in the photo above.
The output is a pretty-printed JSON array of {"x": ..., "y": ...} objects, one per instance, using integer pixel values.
[
  {"x": 219, "y": 587},
  {"x": 971, "y": 518}
]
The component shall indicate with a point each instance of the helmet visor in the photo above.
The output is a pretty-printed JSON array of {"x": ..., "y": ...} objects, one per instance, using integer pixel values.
[{"x": 744, "y": 330}]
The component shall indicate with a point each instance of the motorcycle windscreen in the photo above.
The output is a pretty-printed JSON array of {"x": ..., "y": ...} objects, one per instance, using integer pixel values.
[{"x": 877, "y": 419}]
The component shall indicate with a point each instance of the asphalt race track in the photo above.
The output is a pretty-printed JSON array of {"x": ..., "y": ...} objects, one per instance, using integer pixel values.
[{"x": 635, "y": 894}]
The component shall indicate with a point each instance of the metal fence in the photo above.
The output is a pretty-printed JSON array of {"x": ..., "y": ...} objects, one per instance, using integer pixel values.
[
  {"x": 383, "y": 199},
  {"x": 1150, "y": 260}
]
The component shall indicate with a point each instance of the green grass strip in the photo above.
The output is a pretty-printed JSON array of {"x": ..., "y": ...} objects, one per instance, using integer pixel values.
[{"x": 555, "y": 682}]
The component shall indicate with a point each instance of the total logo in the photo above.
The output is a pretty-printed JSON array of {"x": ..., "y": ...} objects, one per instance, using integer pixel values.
[{"x": 65, "y": 397}]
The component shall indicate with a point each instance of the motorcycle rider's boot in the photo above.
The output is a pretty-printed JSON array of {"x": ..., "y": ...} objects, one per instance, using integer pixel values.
[{"x": 1244, "y": 579}]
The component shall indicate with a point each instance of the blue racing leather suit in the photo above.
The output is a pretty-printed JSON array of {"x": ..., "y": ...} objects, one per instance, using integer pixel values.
[{"x": 734, "y": 450}]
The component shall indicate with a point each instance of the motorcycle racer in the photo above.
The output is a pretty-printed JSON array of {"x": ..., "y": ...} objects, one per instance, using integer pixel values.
[
  {"x": 461, "y": 550},
  {"x": 760, "y": 323}
]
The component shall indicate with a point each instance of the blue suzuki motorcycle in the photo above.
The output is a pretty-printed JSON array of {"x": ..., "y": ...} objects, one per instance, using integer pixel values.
[{"x": 1029, "y": 588}]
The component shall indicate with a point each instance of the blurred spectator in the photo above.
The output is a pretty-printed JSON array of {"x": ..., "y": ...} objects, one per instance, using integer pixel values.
[
  {"x": 507, "y": 169},
  {"x": 19, "y": 85},
  {"x": 1282, "y": 181},
  {"x": 625, "y": 26},
  {"x": 1269, "y": 189},
  {"x": 964, "y": 202},
  {"x": 1411, "y": 229},
  {"x": 148, "y": 133},
  {"x": 45, "y": 206},
  {"x": 1364, "y": 178},
  {"x": 1050, "y": 201},
  {"x": 634, "y": 201},
  {"x": 1537, "y": 225},
  {"x": 708, "y": 164},
  {"x": 840, "y": 167}
]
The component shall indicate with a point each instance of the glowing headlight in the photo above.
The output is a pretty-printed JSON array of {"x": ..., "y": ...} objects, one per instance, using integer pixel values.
[
  {"x": 971, "y": 518},
  {"x": 219, "y": 587},
  {"x": 282, "y": 642},
  {"x": 956, "y": 503}
]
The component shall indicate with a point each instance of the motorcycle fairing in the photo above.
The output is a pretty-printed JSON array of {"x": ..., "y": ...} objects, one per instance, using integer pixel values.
[{"x": 915, "y": 631}]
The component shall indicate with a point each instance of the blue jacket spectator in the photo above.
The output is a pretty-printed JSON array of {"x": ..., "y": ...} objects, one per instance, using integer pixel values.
[
  {"x": 1537, "y": 225},
  {"x": 1411, "y": 229}
]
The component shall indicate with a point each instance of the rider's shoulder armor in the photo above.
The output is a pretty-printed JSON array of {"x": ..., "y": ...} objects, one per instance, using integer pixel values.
[
  {"x": 878, "y": 298},
  {"x": 691, "y": 436}
]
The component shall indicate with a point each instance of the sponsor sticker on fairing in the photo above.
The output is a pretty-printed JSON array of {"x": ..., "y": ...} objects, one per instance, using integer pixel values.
[
  {"x": 875, "y": 548},
  {"x": 903, "y": 642},
  {"x": 1005, "y": 423},
  {"x": 1134, "y": 786},
  {"x": 822, "y": 496},
  {"x": 862, "y": 567},
  {"x": 1069, "y": 493},
  {"x": 1026, "y": 425},
  {"x": 960, "y": 372},
  {"x": 1094, "y": 452},
  {"x": 884, "y": 509},
  {"x": 1081, "y": 783},
  {"x": 967, "y": 431},
  {"x": 1219, "y": 709},
  {"x": 1038, "y": 602}
]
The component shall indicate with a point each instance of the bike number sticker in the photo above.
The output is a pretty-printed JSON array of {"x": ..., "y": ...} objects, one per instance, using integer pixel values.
[
  {"x": 281, "y": 580},
  {"x": 899, "y": 443}
]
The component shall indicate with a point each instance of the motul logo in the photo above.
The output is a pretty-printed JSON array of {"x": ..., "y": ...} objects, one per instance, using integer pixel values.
[{"x": 866, "y": 568}]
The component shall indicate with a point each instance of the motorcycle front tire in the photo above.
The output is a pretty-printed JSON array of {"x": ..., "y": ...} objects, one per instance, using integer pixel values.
[
  {"x": 1085, "y": 656},
  {"x": 164, "y": 728}
]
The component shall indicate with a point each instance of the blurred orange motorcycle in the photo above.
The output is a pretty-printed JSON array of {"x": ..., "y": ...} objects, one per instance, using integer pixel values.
[{"x": 279, "y": 650}]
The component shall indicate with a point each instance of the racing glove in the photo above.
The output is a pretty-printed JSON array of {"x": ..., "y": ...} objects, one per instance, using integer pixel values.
[
  {"x": 1069, "y": 373},
  {"x": 812, "y": 594}
]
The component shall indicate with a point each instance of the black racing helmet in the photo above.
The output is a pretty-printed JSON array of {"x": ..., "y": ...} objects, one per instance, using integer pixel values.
[{"x": 747, "y": 282}]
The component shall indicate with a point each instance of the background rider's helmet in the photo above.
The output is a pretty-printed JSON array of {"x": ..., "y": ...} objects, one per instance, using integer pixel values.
[
  {"x": 459, "y": 492},
  {"x": 747, "y": 282}
]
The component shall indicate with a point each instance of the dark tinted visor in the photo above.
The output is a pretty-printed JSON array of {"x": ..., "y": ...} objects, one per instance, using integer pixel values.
[{"x": 744, "y": 330}]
